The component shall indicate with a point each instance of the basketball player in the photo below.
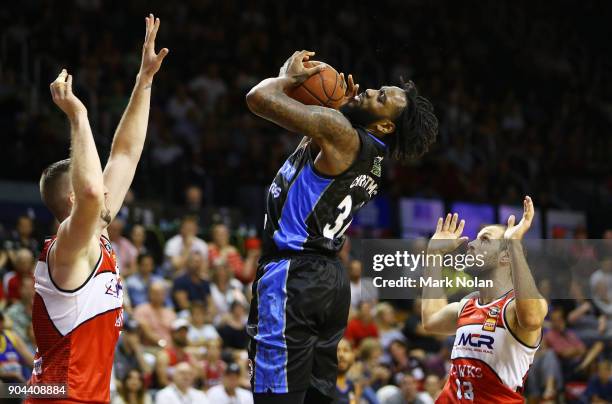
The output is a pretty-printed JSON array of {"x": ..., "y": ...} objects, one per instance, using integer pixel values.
[
  {"x": 301, "y": 294},
  {"x": 498, "y": 329},
  {"x": 77, "y": 312}
]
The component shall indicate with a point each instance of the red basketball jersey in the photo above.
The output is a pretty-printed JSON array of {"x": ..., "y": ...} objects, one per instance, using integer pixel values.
[
  {"x": 488, "y": 363},
  {"x": 77, "y": 330}
]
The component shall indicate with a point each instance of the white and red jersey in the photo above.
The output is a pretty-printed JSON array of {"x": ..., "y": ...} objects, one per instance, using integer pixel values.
[
  {"x": 488, "y": 363},
  {"x": 77, "y": 330}
]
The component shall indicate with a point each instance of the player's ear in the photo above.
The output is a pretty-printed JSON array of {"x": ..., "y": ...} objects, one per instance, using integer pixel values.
[{"x": 382, "y": 127}]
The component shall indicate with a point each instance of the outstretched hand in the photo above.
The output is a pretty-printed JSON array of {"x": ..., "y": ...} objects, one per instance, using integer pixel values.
[
  {"x": 151, "y": 62},
  {"x": 516, "y": 232},
  {"x": 448, "y": 235},
  {"x": 64, "y": 98}
]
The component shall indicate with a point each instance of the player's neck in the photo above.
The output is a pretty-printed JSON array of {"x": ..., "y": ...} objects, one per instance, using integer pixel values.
[{"x": 501, "y": 284}]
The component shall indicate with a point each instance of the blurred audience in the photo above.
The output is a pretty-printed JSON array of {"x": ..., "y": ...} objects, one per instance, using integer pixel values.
[
  {"x": 229, "y": 391},
  {"x": 179, "y": 247},
  {"x": 181, "y": 390},
  {"x": 154, "y": 318}
]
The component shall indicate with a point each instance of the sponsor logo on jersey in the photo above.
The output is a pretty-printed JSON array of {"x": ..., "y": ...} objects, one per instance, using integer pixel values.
[
  {"x": 476, "y": 340},
  {"x": 275, "y": 190},
  {"x": 491, "y": 322},
  {"x": 366, "y": 182},
  {"x": 37, "y": 369},
  {"x": 376, "y": 166}
]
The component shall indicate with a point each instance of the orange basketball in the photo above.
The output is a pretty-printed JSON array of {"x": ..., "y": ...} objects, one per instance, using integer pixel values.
[{"x": 325, "y": 88}]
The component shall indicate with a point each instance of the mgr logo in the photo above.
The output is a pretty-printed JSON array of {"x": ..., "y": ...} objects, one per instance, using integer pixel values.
[{"x": 476, "y": 340}]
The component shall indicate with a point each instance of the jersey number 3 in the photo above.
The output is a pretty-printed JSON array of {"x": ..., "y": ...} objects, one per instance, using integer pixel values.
[{"x": 339, "y": 225}]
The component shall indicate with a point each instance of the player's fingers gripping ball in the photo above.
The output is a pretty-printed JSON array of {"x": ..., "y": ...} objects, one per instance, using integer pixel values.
[{"x": 325, "y": 88}]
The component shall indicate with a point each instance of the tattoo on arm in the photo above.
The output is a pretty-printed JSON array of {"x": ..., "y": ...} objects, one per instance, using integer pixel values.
[{"x": 317, "y": 122}]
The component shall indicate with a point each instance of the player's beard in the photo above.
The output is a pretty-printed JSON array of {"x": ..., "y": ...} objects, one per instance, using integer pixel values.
[
  {"x": 105, "y": 215},
  {"x": 356, "y": 115}
]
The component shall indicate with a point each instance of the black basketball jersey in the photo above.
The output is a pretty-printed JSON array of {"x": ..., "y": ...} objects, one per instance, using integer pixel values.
[{"x": 309, "y": 211}]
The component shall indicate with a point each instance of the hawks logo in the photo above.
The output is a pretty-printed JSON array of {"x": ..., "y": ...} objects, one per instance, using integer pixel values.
[{"x": 114, "y": 287}]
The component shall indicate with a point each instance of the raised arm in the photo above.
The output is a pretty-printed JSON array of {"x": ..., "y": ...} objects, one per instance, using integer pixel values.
[
  {"x": 131, "y": 133},
  {"x": 529, "y": 307},
  {"x": 439, "y": 316},
  {"x": 75, "y": 233},
  {"x": 269, "y": 100}
]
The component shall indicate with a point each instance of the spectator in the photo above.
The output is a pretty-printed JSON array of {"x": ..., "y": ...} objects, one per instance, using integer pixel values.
[
  {"x": 599, "y": 389},
  {"x": 225, "y": 290},
  {"x": 410, "y": 392},
  {"x": 129, "y": 354},
  {"x": 601, "y": 287},
  {"x": 545, "y": 377},
  {"x": 138, "y": 237},
  {"x": 361, "y": 289},
  {"x": 362, "y": 325},
  {"x": 21, "y": 237},
  {"x": 20, "y": 314},
  {"x": 172, "y": 355},
  {"x": 191, "y": 286},
  {"x": 388, "y": 330},
  {"x": 229, "y": 391},
  {"x": 232, "y": 327},
  {"x": 569, "y": 348},
  {"x": 221, "y": 252},
  {"x": 178, "y": 247},
  {"x": 212, "y": 365},
  {"x": 181, "y": 390},
  {"x": 125, "y": 250},
  {"x": 15, "y": 358},
  {"x": 346, "y": 391},
  {"x": 210, "y": 84},
  {"x": 415, "y": 333},
  {"x": 154, "y": 318},
  {"x": 404, "y": 363},
  {"x": 23, "y": 268},
  {"x": 373, "y": 374},
  {"x": 433, "y": 386},
  {"x": 139, "y": 283},
  {"x": 200, "y": 328},
  {"x": 132, "y": 390}
]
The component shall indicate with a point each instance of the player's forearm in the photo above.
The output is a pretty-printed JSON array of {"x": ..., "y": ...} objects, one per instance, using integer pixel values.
[
  {"x": 268, "y": 93},
  {"x": 86, "y": 171},
  {"x": 434, "y": 298},
  {"x": 132, "y": 129},
  {"x": 530, "y": 308}
]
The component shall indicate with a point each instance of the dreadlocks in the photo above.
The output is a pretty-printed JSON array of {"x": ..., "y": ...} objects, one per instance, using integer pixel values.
[{"x": 416, "y": 127}]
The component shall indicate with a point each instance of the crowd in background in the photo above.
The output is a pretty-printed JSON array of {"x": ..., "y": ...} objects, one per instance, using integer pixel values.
[
  {"x": 521, "y": 93},
  {"x": 520, "y": 89},
  {"x": 187, "y": 297}
]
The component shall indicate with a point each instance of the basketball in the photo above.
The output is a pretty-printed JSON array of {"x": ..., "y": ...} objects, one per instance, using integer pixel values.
[{"x": 325, "y": 88}]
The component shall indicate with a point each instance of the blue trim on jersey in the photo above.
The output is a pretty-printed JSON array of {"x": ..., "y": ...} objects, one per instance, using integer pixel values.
[
  {"x": 287, "y": 171},
  {"x": 301, "y": 200},
  {"x": 271, "y": 354},
  {"x": 380, "y": 142}
]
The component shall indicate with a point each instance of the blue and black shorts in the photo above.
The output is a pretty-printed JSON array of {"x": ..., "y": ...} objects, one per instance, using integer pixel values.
[{"x": 298, "y": 315}]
